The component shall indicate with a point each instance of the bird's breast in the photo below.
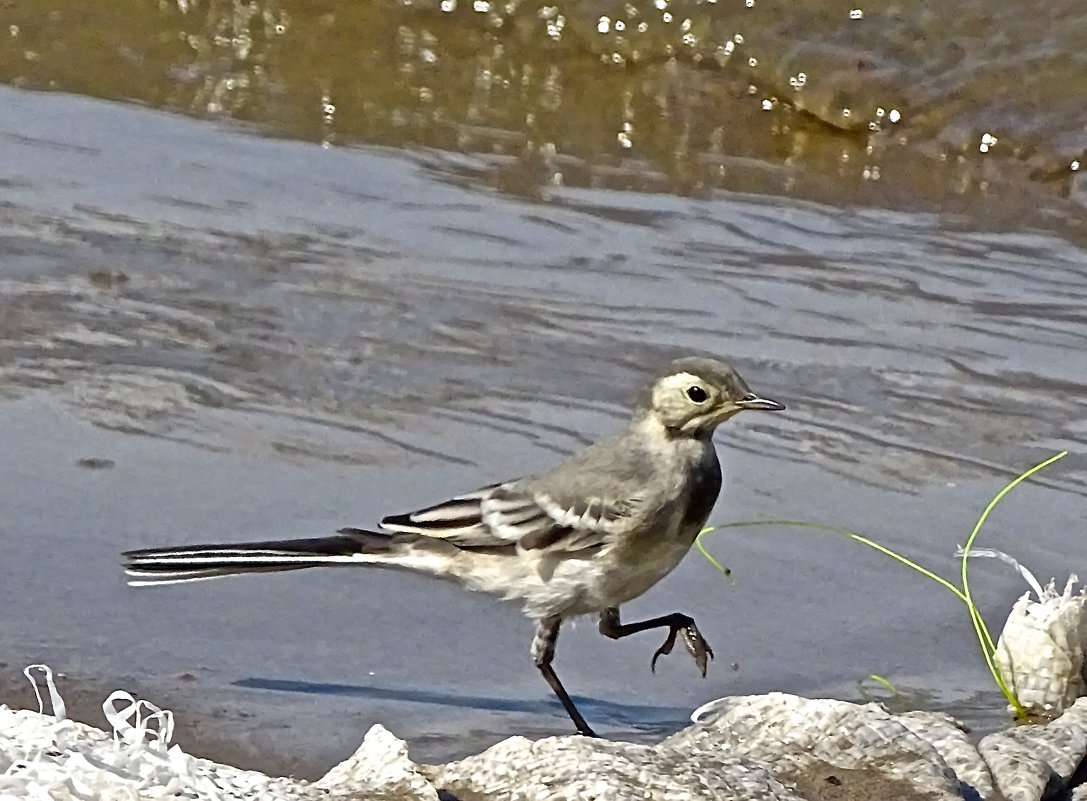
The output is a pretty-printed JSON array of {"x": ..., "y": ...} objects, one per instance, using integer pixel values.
[
  {"x": 629, "y": 572},
  {"x": 702, "y": 491}
]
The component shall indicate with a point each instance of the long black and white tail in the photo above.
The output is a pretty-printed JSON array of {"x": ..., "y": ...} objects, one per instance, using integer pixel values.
[{"x": 176, "y": 564}]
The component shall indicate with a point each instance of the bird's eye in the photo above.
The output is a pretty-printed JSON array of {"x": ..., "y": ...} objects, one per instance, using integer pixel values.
[{"x": 697, "y": 394}]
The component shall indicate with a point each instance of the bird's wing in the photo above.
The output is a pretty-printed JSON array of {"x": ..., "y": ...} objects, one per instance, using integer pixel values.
[{"x": 519, "y": 513}]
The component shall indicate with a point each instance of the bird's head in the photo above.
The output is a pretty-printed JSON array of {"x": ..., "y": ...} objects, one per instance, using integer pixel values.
[{"x": 694, "y": 395}]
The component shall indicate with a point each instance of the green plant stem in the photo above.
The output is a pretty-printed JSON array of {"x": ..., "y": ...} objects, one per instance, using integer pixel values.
[
  {"x": 985, "y": 639},
  {"x": 988, "y": 648},
  {"x": 845, "y": 533},
  {"x": 709, "y": 556},
  {"x": 879, "y": 680}
]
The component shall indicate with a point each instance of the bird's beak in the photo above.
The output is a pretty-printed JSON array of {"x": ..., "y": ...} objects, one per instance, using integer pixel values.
[{"x": 754, "y": 402}]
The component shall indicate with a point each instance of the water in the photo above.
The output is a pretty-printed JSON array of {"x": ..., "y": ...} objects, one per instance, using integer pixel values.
[
  {"x": 265, "y": 336},
  {"x": 965, "y": 104}
]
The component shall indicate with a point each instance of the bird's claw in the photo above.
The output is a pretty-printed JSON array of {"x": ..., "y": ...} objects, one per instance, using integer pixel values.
[{"x": 694, "y": 641}]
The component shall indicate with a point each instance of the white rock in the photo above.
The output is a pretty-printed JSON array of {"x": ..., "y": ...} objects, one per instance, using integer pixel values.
[{"x": 380, "y": 768}]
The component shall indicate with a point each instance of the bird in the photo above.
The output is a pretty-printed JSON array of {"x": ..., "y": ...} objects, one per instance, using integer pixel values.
[{"x": 583, "y": 537}]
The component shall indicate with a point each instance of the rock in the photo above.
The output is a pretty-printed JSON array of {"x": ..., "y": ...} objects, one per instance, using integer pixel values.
[
  {"x": 1032, "y": 762},
  {"x": 575, "y": 767},
  {"x": 800, "y": 739},
  {"x": 772, "y": 747},
  {"x": 380, "y": 769},
  {"x": 949, "y": 737}
]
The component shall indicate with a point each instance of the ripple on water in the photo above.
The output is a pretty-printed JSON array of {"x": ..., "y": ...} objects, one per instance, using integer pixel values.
[{"x": 907, "y": 351}]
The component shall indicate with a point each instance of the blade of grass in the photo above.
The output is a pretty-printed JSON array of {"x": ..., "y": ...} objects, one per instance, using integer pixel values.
[
  {"x": 709, "y": 556},
  {"x": 853, "y": 535},
  {"x": 985, "y": 640},
  {"x": 988, "y": 648},
  {"x": 879, "y": 680}
]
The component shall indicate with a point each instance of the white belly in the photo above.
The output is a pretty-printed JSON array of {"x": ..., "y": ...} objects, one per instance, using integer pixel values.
[{"x": 566, "y": 585}]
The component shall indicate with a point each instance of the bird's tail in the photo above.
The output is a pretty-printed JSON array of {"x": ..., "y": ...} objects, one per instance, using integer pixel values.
[{"x": 181, "y": 563}]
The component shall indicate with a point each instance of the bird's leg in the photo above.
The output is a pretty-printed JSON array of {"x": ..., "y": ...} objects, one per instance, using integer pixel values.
[
  {"x": 543, "y": 654},
  {"x": 676, "y": 623}
]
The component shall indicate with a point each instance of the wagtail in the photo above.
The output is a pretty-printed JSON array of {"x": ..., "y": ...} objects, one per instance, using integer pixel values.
[{"x": 583, "y": 538}]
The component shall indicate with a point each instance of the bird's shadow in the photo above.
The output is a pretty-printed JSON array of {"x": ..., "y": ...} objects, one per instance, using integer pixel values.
[{"x": 641, "y": 718}]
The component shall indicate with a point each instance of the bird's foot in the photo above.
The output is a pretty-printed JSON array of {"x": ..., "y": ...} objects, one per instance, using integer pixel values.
[{"x": 692, "y": 638}]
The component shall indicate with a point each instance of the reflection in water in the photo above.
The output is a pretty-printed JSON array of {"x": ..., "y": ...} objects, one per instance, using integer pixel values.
[{"x": 820, "y": 97}]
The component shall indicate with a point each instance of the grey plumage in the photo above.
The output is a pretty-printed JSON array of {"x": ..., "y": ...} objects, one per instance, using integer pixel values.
[{"x": 588, "y": 535}]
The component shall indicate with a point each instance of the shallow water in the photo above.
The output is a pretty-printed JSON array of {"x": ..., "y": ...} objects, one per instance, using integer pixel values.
[
  {"x": 259, "y": 336},
  {"x": 964, "y": 103}
]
